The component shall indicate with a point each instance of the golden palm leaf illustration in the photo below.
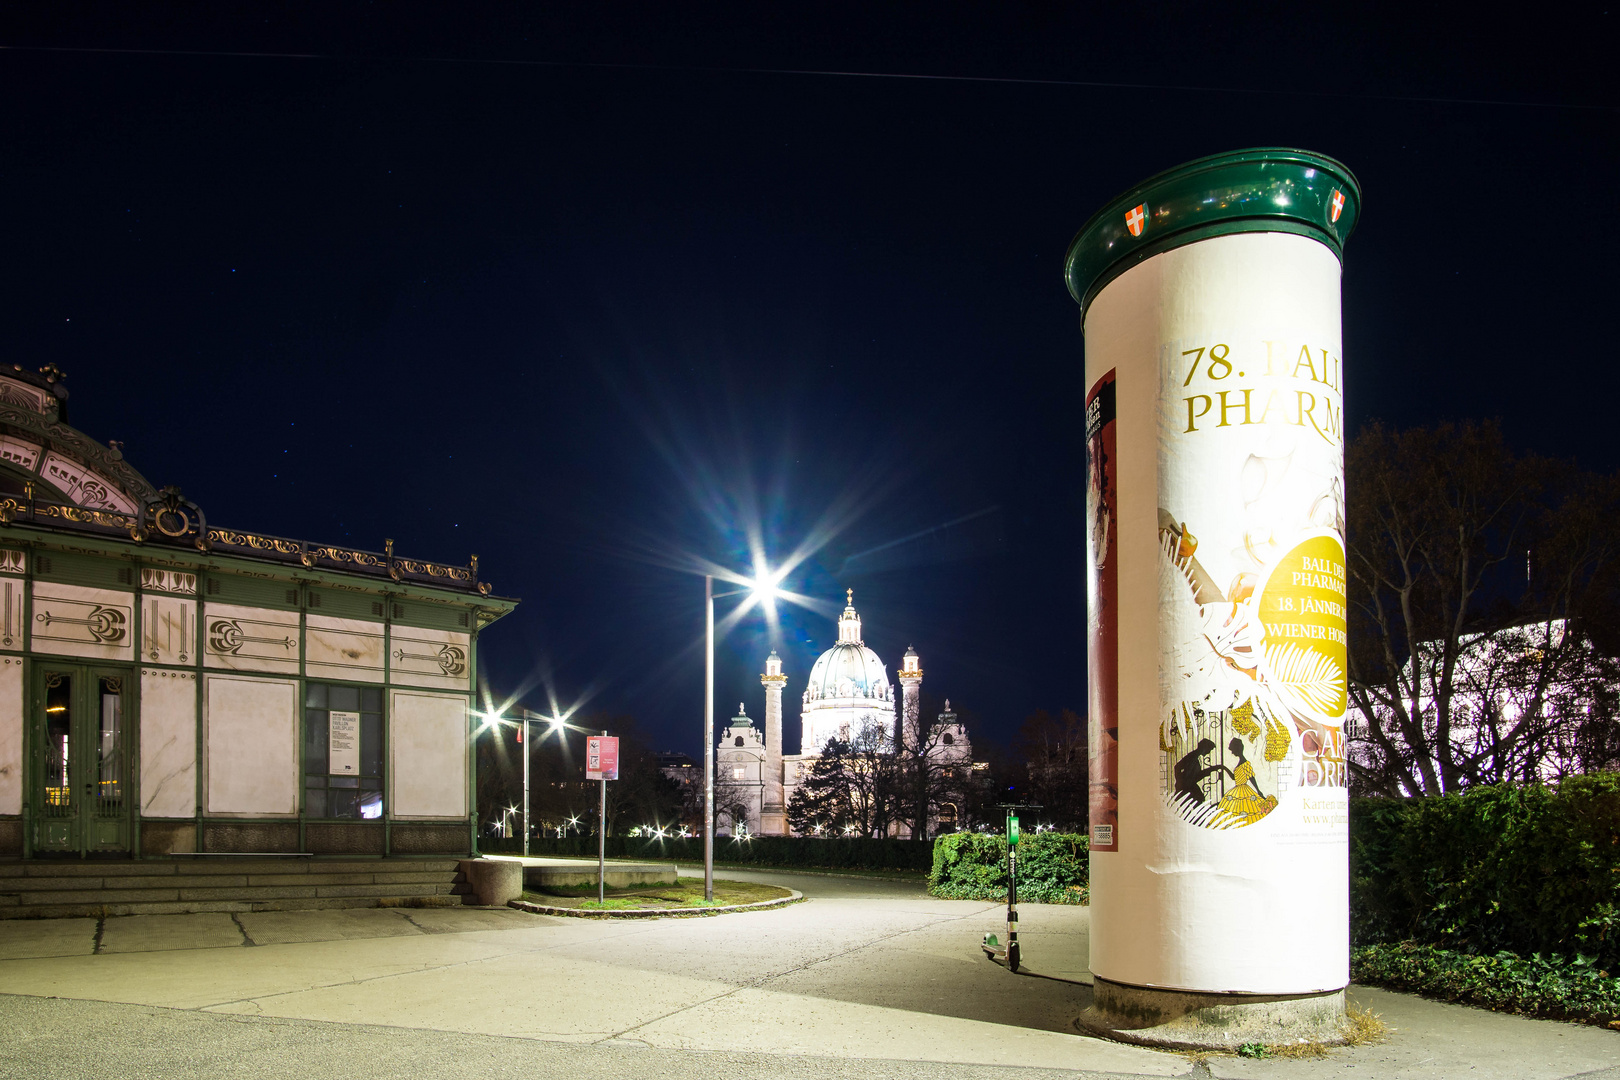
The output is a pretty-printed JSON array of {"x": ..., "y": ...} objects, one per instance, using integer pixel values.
[{"x": 1308, "y": 677}]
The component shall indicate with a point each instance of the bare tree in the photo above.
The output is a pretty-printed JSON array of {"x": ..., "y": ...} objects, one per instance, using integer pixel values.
[
  {"x": 873, "y": 779},
  {"x": 934, "y": 777},
  {"x": 1475, "y": 580},
  {"x": 732, "y": 799},
  {"x": 1054, "y": 752}
]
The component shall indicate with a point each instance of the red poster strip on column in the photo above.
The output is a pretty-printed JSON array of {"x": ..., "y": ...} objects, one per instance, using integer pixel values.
[{"x": 1102, "y": 614}]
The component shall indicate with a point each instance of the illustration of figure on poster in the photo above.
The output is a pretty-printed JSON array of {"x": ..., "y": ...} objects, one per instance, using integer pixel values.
[{"x": 1224, "y": 768}]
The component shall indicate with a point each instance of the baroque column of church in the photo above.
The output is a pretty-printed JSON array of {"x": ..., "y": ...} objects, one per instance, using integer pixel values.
[
  {"x": 910, "y": 676},
  {"x": 773, "y": 813}
]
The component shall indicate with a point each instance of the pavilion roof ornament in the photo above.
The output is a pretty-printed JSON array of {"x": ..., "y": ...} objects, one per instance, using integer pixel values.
[
  {"x": 171, "y": 519},
  {"x": 73, "y": 483},
  {"x": 172, "y": 515},
  {"x": 37, "y": 441}
]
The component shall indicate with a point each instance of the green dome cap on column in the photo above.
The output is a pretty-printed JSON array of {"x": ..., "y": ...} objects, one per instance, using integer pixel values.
[{"x": 1265, "y": 189}]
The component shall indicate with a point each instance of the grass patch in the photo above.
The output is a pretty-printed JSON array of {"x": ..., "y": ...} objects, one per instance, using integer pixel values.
[
  {"x": 1550, "y": 987},
  {"x": 686, "y": 893},
  {"x": 1363, "y": 1027},
  {"x": 894, "y": 874},
  {"x": 1296, "y": 1051}
]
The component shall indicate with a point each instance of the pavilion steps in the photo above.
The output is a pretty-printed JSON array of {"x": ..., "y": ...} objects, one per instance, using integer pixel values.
[{"x": 52, "y": 888}]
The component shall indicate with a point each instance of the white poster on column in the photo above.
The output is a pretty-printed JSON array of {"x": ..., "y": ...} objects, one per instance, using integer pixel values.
[{"x": 1230, "y": 421}]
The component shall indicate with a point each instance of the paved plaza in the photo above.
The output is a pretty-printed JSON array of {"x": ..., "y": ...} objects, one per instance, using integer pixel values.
[{"x": 867, "y": 978}]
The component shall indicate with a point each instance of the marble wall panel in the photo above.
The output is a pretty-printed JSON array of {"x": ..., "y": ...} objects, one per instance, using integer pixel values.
[
  {"x": 11, "y": 734},
  {"x": 250, "y": 735},
  {"x": 13, "y": 563},
  {"x": 72, "y": 620},
  {"x": 11, "y": 613},
  {"x": 168, "y": 743},
  {"x": 168, "y": 629},
  {"x": 250, "y": 639},
  {"x": 435, "y": 658},
  {"x": 427, "y": 742},
  {"x": 349, "y": 649}
]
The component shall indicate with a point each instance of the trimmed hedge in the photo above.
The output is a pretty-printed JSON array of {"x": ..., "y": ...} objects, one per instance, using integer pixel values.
[
  {"x": 834, "y": 853},
  {"x": 1053, "y": 868},
  {"x": 1549, "y": 987},
  {"x": 1526, "y": 870}
]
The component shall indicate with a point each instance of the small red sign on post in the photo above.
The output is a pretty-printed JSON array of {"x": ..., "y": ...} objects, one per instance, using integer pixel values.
[{"x": 602, "y": 757}]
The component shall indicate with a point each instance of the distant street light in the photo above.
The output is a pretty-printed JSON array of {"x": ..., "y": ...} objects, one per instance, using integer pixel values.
[{"x": 557, "y": 724}]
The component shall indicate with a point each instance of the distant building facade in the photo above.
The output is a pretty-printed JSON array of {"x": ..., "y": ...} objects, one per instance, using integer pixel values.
[
  {"x": 688, "y": 777},
  {"x": 848, "y": 697},
  {"x": 1529, "y": 703}
]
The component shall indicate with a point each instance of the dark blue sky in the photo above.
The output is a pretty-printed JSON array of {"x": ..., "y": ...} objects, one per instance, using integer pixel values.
[{"x": 591, "y": 321}]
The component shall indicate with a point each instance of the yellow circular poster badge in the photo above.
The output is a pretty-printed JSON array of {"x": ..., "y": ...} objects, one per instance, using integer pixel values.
[{"x": 1302, "y": 608}]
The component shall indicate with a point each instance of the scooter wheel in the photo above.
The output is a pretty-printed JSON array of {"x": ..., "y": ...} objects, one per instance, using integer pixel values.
[{"x": 1012, "y": 958}]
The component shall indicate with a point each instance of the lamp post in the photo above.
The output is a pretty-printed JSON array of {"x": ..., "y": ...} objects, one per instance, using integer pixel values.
[
  {"x": 762, "y": 587},
  {"x": 557, "y": 723},
  {"x": 708, "y": 738}
]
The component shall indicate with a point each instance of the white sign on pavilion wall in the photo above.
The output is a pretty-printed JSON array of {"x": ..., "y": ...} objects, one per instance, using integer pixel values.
[{"x": 343, "y": 744}]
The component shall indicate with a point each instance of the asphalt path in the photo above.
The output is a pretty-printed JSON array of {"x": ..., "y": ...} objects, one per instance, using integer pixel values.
[{"x": 867, "y": 977}]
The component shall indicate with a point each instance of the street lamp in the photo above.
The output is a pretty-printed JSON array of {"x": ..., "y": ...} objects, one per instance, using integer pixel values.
[
  {"x": 764, "y": 589},
  {"x": 557, "y": 724}
]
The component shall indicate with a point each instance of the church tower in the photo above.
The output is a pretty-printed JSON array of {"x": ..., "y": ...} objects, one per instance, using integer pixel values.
[
  {"x": 773, "y": 814},
  {"x": 910, "y": 676}
]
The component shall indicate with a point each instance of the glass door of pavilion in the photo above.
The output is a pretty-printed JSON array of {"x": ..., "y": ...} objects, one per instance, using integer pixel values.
[{"x": 81, "y": 788}]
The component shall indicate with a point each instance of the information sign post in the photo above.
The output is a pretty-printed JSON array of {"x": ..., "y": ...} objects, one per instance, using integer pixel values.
[{"x": 602, "y": 763}]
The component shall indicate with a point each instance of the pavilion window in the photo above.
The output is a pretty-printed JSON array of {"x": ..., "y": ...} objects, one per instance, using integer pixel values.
[{"x": 343, "y": 764}]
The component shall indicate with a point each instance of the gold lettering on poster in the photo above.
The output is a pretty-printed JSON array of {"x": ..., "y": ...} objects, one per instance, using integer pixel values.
[{"x": 1213, "y": 402}]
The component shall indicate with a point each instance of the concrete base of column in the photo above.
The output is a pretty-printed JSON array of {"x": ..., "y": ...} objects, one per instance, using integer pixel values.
[
  {"x": 1181, "y": 1020},
  {"x": 773, "y": 823}
]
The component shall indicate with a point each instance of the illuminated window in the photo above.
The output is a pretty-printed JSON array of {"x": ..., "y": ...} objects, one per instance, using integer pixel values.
[
  {"x": 343, "y": 752},
  {"x": 737, "y": 772}
]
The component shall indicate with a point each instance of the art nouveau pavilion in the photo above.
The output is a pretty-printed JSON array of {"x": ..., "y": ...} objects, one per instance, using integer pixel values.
[{"x": 169, "y": 686}]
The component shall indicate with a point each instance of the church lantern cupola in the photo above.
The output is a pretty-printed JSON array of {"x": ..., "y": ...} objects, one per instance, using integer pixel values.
[{"x": 849, "y": 623}]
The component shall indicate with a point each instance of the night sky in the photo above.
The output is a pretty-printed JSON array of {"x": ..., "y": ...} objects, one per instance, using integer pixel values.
[{"x": 600, "y": 292}]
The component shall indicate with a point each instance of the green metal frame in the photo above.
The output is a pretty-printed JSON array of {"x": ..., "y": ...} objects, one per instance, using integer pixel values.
[
  {"x": 1265, "y": 189},
  {"x": 87, "y": 672}
]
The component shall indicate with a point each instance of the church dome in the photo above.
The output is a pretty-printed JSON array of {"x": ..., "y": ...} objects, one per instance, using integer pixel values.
[
  {"x": 848, "y": 688},
  {"x": 847, "y": 670}
]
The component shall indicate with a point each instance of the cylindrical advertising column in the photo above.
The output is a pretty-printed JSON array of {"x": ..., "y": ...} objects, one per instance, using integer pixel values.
[{"x": 1216, "y": 607}]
